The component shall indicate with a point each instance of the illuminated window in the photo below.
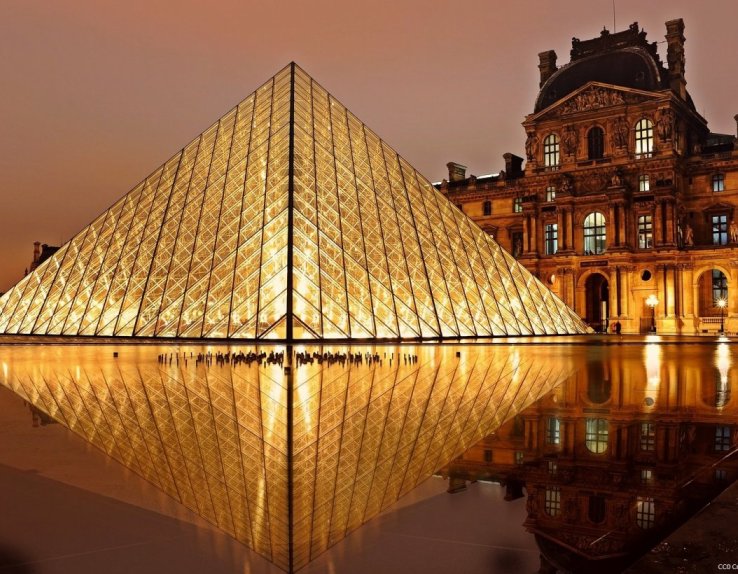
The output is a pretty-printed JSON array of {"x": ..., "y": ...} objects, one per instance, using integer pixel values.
[
  {"x": 644, "y": 138},
  {"x": 720, "y": 229},
  {"x": 594, "y": 234},
  {"x": 722, "y": 438},
  {"x": 648, "y": 436},
  {"x": 551, "y": 151},
  {"x": 595, "y": 143},
  {"x": 553, "y": 430},
  {"x": 518, "y": 205},
  {"x": 553, "y": 501},
  {"x": 646, "y": 475},
  {"x": 551, "y": 238},
  {"x": 487, "y": 208},
  {"x": 643, "y": 183},
  {"x": 719, "y": 285},
  {"x": 718, "y": 182},
  {"x": 645, "y": 512},
  {"x": 645, "y": 232},
  {"x": 550, "y": 193},
  {"x": 595, "y": 435},
  {"x": 519, "y": 457},
  {"x": 553, "y": 467}
]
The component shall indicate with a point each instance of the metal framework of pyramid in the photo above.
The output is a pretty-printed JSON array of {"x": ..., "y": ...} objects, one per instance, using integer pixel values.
[
  {"x": 288, "y": 464},
  {"x": 287, "y": 219}
]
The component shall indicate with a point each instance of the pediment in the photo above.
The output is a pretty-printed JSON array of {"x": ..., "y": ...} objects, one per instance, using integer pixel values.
[{"x": 594, "y": 96}]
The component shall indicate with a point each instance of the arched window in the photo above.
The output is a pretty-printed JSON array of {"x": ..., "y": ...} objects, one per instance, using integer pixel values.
[
  {"x": 487, "y": 208},
  {"x": 644, "y": 138},
  {"x": 596, "y": 143},
  {"x": 645, "y": 512},
  {"x": 595, "y": 435},
  {"x": 594, "y": 234},
  {"x": 551, "y": 151}
]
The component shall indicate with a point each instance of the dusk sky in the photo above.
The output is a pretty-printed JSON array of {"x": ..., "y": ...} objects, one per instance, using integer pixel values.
[{"x": 97, "y": 94}]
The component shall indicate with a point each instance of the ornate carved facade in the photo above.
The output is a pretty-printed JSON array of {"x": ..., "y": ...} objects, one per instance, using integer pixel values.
[
  {"x": 618, "y": 456},
  {"x": 625, "y": 193}
]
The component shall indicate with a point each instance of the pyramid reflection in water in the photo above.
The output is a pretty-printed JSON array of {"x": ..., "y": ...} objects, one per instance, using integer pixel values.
[
  {"x": 217, "y": 438},
  {"x": 287, "y": 219}
]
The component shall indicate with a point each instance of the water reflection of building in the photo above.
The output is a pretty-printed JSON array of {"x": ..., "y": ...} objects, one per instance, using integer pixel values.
[
  {"x": 625, "y": 193},
  {"x": 617, "y": 456}
]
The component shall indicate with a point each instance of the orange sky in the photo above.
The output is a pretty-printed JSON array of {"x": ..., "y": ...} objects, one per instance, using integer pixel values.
[{"x": 97, "y": 94}]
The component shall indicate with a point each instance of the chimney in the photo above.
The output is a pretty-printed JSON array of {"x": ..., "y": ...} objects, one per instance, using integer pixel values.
[
  {"x": 547, "y": 65},
  {"x": 735, "y": 117},
  {"x": 513, "y": 165},
  {"x": 456, "y": 171},
  {"x": 36, "y": 251},
  {"x": 675, "y": 57}
]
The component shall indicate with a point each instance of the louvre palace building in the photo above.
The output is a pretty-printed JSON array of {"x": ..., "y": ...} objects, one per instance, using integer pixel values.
[{"x": 625, "y": 206}]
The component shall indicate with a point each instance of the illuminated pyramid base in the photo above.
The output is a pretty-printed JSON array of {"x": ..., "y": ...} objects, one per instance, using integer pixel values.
[{"x": 287, "y": 219}]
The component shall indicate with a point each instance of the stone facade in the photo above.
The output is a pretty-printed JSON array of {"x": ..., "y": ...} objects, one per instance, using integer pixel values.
[
  {"x": 617, "y": 456},
  {"x": 625, "y": 193}
]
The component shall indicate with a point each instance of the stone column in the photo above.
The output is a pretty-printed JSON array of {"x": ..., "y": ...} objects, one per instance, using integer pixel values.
[
  {"x": 669, "y": 224},
  {"x": 657, "y": 223},
  {"x": 612, "y": 235},
  {"x": 561, "y": 222},
  {"x": 670, "y": 290}
]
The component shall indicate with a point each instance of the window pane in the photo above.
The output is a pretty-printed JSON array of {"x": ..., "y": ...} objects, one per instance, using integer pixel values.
[
  {"x": 644, "y": 138},
  {"x": 551, "y": 238},
  {"x": 596, "y": 434},
  {"x": 719, "y": 229},
  {"x": 553, "y": 501},
  {"x": 551, "y": 151},
  {"x": 645, "y": 512},
  {"x": 594, "y": 234},
  {"x": 553, "y": 430},
  {"x": 722, "y": 438},
  {"x": 648, "y": 437},
  {"x": 645, "y": 232}
]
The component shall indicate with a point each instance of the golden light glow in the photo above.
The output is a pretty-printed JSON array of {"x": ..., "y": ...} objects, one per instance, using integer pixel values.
[
  {"x": 199, "y": 249},
  {"x": 215, "y": 436}
]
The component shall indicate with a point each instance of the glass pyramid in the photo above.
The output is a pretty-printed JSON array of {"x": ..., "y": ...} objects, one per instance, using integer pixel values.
[
  {"x": 287, "y": 219},
  {"x": 287, "y": 473}
]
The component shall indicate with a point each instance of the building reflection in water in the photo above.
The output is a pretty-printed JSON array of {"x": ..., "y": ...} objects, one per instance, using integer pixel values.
[
  {"x": 618, "y": 456},
  {"x": 287, "y": 478}
]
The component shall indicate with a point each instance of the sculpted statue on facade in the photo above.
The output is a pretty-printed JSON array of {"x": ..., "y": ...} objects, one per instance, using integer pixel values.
[
  {"x": 531, "y": 146},
  {"x": 570, "y": 140},
  {"x": 592, "y": 99},
  {"x": 665, "y": 125},
  {"x": 620, "y": 134}
]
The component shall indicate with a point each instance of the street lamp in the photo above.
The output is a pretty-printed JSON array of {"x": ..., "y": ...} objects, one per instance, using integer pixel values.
[
  {"x": 652, "y": 301},
  {"x": 722, "y": 303}
]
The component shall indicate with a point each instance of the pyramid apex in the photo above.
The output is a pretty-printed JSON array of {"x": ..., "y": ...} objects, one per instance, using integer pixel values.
[{"x": 297, "y": 223}]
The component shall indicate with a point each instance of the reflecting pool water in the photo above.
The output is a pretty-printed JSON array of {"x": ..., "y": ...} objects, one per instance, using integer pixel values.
[
  {"x": 289, "y": 450},
  {"x": 620, "y": 454}
]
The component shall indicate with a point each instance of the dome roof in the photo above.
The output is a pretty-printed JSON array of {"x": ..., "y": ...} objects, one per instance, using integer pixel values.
[{"x": 631, "y": 67}]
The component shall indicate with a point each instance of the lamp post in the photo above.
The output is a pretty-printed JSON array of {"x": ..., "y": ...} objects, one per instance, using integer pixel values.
[
  {"x": 652, "y": 301},
  {"x": 722, "y": 303}
]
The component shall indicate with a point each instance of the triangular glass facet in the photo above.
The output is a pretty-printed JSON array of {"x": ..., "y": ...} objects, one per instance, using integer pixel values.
[{"x": 286, "y": 219}]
